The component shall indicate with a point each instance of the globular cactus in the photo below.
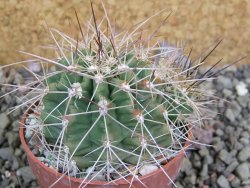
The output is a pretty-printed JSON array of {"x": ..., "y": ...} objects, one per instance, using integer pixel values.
[{"x": 114, "y": 104}]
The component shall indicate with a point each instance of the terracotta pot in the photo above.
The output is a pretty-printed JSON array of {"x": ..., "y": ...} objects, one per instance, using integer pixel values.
[{"x": 47, "y": 176}]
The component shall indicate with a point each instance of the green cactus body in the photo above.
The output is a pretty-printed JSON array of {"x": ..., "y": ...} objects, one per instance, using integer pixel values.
[{"x": 122, "y": 110}]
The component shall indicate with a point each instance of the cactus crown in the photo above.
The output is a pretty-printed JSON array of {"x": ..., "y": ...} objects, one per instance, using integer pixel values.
[{"x": 114, "y": 104}]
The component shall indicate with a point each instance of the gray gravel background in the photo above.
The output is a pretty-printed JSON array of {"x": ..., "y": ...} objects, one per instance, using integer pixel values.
[{"x": 225, "y": 164}]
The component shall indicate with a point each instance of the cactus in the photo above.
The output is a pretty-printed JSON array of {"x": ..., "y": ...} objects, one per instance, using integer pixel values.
[
  {"x": 113, "y": 102},
  {"x": 118, "y": 104}
]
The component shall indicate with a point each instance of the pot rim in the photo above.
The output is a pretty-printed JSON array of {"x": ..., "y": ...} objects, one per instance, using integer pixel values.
[{"x": 92, "y": 182}]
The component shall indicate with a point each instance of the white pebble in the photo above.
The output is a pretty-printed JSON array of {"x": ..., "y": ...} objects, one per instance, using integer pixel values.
[
  {"x": 35, "y": 67},
  {"x": 146, "y": 169},
  {"x": 28, "y": 132},
  {"x": 7, "y": 174},
  {"x": 241, "y": 89}
]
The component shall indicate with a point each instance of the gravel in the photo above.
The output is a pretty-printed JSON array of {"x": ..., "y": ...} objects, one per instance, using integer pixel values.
[
  {"x": 223, "y": 182},
  {"x": 14, "y": 169},
  {"x": 4, "y": 121},
  {"x": 224, "y": 164},
  {"x": 228, "y": 159},
  {"x": 6, "y": 153},
  {"x": 241, "y": 89},
  {"x": 26, "y": 174},
  {"x": 230, "y": 168},
  {"x": 243, "y": 171},
  {"x": 225, "y": 156},
  {"x": 224, "y": 83},
  {"x": 244, "y": 154}
]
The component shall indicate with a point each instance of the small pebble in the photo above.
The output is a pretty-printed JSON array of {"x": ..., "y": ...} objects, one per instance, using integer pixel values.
[
  {"x": 146, "y": 169},
  {"x": 235, "y": 182},
  {"x": 242, "y": 171},
  {"x": 223, "y": 182},
  {"x": 5, "y": 121},
  {"x": 241, "y": 89},
  {"x": 231, "y": 167},
  {"x": 225, "y": 156},
  {"x": 26, "y": 174}
]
